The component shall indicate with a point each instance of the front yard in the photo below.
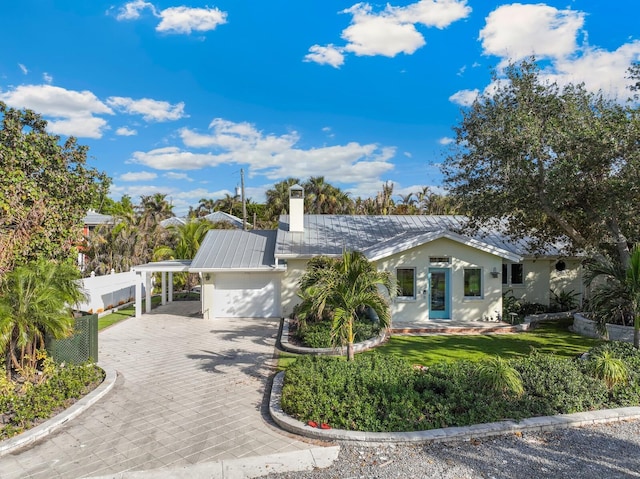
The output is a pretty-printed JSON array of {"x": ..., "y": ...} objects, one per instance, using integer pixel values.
[{"x": 418, "y": 383}]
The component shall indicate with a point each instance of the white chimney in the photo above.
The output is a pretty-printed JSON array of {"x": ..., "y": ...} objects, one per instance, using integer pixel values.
[{"x": 296, "y": 208}]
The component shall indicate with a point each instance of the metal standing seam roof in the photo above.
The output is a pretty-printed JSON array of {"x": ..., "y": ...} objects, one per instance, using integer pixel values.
[
  {"x": 93, "y": 218},
  {"x": 236, "y": 250},
  {"x": 331, "y": 234}
]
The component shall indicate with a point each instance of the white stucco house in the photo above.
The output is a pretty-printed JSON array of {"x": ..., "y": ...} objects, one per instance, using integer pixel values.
[{"x": 442, "y": 274}]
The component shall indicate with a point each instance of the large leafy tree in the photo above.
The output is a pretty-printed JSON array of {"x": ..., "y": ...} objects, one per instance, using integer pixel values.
[
  {"x": 346, "y": 286},
  {"x": 45, "y": 190},
  {"x": 556, "y": 162},
  {"x": 35, "y": 300}
]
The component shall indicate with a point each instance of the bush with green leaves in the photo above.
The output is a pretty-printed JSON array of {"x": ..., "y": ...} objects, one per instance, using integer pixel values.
[
  {"x": 318, "y": 334},
  {"x": 385, "y": 393},
  {"x": 23, "y": 405}
]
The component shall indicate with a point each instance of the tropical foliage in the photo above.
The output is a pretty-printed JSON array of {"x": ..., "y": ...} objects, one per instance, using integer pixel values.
[
  {"x": 385, "y": 393},
  {"x": 35, "y": 300},
  {"x": 45, "y": 190},
  {"x": 615, "y": 297},
  {"x": 345, "y": 288}
]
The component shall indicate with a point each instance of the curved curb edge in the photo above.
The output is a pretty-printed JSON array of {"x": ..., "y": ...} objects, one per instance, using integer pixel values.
[
  {"x": 339, "y": 351},
  {"x": 458, "y": 433},
  {"x": 32, "y": 435}
]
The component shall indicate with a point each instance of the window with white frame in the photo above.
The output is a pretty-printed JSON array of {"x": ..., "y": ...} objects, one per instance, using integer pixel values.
[
  {"x": 406, "y": 280},
  {"x": 512, "y": 273},
  {"x": 473, "y": 283}
]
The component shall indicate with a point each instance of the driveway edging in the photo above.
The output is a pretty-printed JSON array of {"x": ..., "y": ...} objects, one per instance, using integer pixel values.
[
  {"x": 42, "y": 430},
  {"x": 458, "y": 433}
]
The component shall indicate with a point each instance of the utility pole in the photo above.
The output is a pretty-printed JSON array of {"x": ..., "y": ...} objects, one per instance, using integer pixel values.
[{"x": 244, "y": 203}]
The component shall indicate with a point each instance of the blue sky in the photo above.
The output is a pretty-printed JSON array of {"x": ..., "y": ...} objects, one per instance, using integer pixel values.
[{"x": 178, "y": 96}]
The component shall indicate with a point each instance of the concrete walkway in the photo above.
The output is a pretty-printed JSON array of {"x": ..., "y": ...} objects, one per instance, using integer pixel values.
[{"x": 189, "y": 392}]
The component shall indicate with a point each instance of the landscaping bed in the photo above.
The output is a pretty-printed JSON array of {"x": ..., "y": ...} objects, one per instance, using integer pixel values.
[
  {"x": 28, "y": 401},
  {"x": 384, "y": 393}
]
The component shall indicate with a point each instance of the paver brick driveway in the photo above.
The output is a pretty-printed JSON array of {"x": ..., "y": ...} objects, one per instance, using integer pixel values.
[{"x": 188, "y": 391}]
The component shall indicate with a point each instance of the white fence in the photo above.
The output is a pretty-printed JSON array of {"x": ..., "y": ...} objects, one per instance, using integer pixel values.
[{"x": 109, "y": 291}]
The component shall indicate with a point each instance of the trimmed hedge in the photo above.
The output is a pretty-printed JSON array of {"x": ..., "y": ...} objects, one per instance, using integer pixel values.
[
  {"x": 22, "y": 407},
  {"x": 383, "y": 393},
  {"x": 318, "y": 335}
]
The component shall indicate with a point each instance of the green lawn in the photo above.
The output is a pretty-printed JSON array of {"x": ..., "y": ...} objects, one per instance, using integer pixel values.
[
  {"x": 551, "y": 338},
  {"x": 124, "y": 313}
]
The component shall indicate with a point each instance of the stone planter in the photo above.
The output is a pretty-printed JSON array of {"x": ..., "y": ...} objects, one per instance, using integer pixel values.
[{"x": 615, "y": 332}]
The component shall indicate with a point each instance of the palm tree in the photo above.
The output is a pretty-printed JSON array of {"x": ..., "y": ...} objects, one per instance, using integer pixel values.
[
  {"x": 278, "y": 198},
  {"x": 227, "y": 204},
  {"x": 347, "y": 286},
  {"x": 187, "y": 240},
  {"x": 616, "y": 296},
  {"x": 35, "y": 300},
  {"x": 407, "y": 205},
  {"x": 205, "y": 207},
  {"x": 323, "y": 198}
]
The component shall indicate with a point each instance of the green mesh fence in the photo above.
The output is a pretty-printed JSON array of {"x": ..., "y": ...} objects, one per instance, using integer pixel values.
[{"x": 79, "y": 348}]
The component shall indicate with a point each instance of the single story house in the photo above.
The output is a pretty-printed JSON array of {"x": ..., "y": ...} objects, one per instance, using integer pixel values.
[{"x": 442, "y": 274}]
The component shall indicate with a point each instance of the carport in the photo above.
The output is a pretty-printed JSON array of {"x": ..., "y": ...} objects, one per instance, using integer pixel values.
[{"x": 166, "y": 270}]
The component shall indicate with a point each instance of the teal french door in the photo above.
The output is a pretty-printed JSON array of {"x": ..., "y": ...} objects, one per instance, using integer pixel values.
[{"x": 439, "y": 293}]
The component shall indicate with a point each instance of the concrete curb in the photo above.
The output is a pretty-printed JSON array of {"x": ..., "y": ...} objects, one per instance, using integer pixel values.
[
  {"x": 341, "y": 351},
  {"x": 246, "y": 467},
  {"x": 51, "y": 425},
  {"x": 544, "y": 423}
]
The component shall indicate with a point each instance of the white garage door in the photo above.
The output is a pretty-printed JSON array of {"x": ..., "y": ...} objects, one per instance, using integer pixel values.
[{"x": 246, "y": 295}]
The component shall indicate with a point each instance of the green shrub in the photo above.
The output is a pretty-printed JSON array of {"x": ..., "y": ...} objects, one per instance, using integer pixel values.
[
  {"x": 557, "y": 386},
  {"x": 23, "y": 408},
  {"x": 318, "y": 335}
]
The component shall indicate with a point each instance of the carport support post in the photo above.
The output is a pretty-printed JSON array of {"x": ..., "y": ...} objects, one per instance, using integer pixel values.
[
  {"x": 170, "y": 287},
  {"x": 164, "y": 288},
  {"x": 147, "y": 285},
  {"x": 139, "y": 280}
]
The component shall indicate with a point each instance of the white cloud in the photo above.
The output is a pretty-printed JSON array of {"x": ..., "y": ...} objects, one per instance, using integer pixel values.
[
  {"x": 151, "y": 110},
  {"x": 329, "y": 55},
  {"x": 269, "y": 155},
  {"x": 445, "y": 140},
  {"x": 384, "y": 34},
  {"x": 518, "y": 31},
  {"x": 124, "y": 131},
  {"x": 185, "y": 19},
  {"x": 69, "y": 112},
  {"x": 513, "y": 32},
  {"x": 599, "y": 69},
  {"x": 23, "y": 68},
  {"x": 131, "y": 10},
  {"x": 47, "y": 78},
  {"x": 180, "y": 19},
  {"x": 172, "y": 175},
  {"x": 138, "y": 176},
  {"x": 389, "y": 32},
  {"x": 464, "y": 97}
]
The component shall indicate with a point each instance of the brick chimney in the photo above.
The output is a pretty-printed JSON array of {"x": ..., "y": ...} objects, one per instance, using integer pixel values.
[{"x": 296, "y": 208}]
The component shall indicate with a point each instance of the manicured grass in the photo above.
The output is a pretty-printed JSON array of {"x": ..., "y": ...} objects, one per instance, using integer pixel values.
[
  {"x": 124, "y": 313},
  {"x": 549, "y": 338}
]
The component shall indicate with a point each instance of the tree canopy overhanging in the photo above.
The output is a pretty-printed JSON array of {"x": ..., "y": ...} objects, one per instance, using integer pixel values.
[
  {"x": 46, "y": 189},
  {"x": 554, "y": 162}
]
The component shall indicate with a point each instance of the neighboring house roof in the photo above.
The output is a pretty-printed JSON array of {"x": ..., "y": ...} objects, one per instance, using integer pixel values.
[
  {"x": 225, "y": 250},
  {"x": 173, "y": 221},
  {"x": 222, "y": 216},
  {"x": 214, "y": 217},
  {"x": 93, "y": 218},
  {"x": 381, "y": 236}
]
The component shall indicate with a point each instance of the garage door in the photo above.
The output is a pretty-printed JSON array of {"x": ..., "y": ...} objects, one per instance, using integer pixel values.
[{"x": 246, "y": 295}]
